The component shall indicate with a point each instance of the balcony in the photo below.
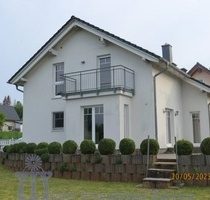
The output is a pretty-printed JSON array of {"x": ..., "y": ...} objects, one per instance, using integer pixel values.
[{"x": 101, "y": 81}]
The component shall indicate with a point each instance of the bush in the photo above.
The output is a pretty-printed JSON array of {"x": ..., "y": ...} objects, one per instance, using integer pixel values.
[
  {"x": 45, "y": 157},
  {"x": 69, "y": 147},
  {"x": 205, "y": 146},
  {"x": 97, "y": 158},
  {"x": 64, "y": 168},
  {"x": 127, "y": 146},
  {"x": 87, "y": 146},
  {"x": 31, "y": 147},
  {"x": 6, "y": 149},
  {"x": 106, "y": 146},
  {"x": 184, "y": 147},
  {"x": 42, "y": 145},
  {"x": 54, "y": 148},
  {"x": 21, "y": 147},
  {"x": 41, "y": 151},
  {"x": 153, "y": 144},
  {"x": 13, "y": 148}
]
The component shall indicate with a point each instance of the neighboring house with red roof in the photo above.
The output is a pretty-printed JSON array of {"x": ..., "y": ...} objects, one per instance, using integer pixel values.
[
  {"x": 87, "y": 83},
  {"x": 200, "y": 73},
  {"x": 12, "y": 119}
]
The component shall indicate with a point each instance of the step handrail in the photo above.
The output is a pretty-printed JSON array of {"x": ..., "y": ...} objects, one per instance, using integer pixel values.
[
  {"x": 148, "y": 145},
  {"x": 177, "y": 166}
]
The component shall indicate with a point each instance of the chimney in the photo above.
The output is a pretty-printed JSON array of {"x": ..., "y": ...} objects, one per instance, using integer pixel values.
[{"x": 167, "y": 52}]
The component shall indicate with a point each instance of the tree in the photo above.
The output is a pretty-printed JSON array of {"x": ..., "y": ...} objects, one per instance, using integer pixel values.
[
  {"x": 19, "y": 109},
  {"x": 2, "y": 120}
]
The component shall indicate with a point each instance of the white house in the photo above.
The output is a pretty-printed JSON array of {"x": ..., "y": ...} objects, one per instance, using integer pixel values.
[{"x": 85, "y": 82}]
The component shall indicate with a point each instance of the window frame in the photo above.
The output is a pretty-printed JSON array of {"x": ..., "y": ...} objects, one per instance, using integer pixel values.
[
  {"x": 60, "y": 82},
  {"x": 54, "y": 127},
  {"x": 95, "y": 111},
  {"x": 193, "y": 126},
  {"x": 169, "y": 126}
]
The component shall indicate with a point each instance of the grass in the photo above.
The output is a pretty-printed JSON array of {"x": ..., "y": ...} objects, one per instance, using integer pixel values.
[
  {"x": 74, "y": 189},
  {"x": 10, "y": 135}
]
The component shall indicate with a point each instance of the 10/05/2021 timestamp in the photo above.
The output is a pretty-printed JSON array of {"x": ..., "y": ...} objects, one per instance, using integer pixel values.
[{"x": 190, "y": 176}]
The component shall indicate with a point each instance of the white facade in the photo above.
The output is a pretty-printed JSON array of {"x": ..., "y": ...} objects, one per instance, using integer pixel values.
[{"x": 124, "y": 114}]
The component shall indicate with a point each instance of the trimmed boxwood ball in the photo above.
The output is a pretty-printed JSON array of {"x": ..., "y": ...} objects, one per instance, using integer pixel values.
[
  {"x": 87, "y": 147},
  {"x": 6, "y": 149},
  {"x": 42, "y": 145},
  {"x": 54, "y": 148},
  {"x": 31, "y": 147},
  {"x": 154, "y": 147},
  {"x": 184, "y": 147},
  {"x": 40, "y": 152},
  {"x": 106, "y": 146},
  {"x": 127, "y": 146},
  {"x": 21, "y": 147},
  {"x": 205, "y": 146},
  {"x": 14, "y": 148},
  {"x": 45, "y": 157},
  {"x": 69, "y": 147}
]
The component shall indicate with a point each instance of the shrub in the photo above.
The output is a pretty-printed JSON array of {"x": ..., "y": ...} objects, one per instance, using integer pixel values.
[
  {"x": 30, "y": 147},
  {"x": 21, "y": 147},
  {"x": 69, "y": 147},
  {"x": 205, "y": 146},
  {"x": 184, "y": 147},
  {"x": 42, "y": 145},
  {"x": 45, "y": 157},
  {"x": 13, "y": 148},
  {"x": 64, "y": 167},
  {"x": 106, "y": 146},
  {"x": 54, "y": 148},
  {"x": 6, "y": 149},
  {"x": 41, "y": 151},
  {"x": 87, "y": 146},
  {"x": 153, "y": 147},
  {"x": 97, "y": 158},
  {"x": 127, "y": 146}
]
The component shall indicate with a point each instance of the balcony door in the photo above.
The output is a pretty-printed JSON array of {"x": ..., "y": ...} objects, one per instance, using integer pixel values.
[{"x": 105, "y": 72}]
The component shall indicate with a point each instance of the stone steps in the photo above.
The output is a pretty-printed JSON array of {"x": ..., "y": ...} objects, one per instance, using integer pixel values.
[
  {"x": 160, "y": 175},
  {"x": 162, "y": 183}
]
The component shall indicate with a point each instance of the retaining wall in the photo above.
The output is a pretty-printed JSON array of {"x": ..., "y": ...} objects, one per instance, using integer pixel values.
[{"x": 125, "y": 168}]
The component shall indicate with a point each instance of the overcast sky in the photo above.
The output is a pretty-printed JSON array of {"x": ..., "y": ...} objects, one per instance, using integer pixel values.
[{"x": 27, "y": 24}]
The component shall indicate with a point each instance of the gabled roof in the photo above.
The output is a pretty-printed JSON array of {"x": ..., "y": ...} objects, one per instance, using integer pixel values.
[
  {"x": 197, "y": 67},
  {"x": 9, "y": 112},
  {"x": 74, "y": 22},
  {"x": 70, "y": 24}
]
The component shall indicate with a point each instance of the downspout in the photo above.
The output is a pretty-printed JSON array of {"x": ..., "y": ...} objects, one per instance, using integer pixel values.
[
  {"x": 209, "y": 115},
  {"x": 155, "y": 98},
  {"x": 18, "y": 88}
]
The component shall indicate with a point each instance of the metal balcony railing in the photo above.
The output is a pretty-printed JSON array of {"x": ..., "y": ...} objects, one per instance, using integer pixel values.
[{"x": 98, "y": 80}]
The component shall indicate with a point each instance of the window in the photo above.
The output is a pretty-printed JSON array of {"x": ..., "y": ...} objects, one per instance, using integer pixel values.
[
  {"x": 126, "y": 121},
  {"x": 58, "y": 120},
  {"x": 196, "y": 127},
  {"x": 59, "y": 83},
  {"x": 94, "y": 123},
  {"x": 105, "y": 72},
  {"x": 169, "y": 125}
]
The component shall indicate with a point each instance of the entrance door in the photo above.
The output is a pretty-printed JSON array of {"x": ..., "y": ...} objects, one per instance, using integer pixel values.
[
  {"x": 169, "y": 126},
  {"x": 105, "y": 72}
]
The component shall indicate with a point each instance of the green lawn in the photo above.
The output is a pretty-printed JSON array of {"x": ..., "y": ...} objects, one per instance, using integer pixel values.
[{"x": 72, "y": 189}]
